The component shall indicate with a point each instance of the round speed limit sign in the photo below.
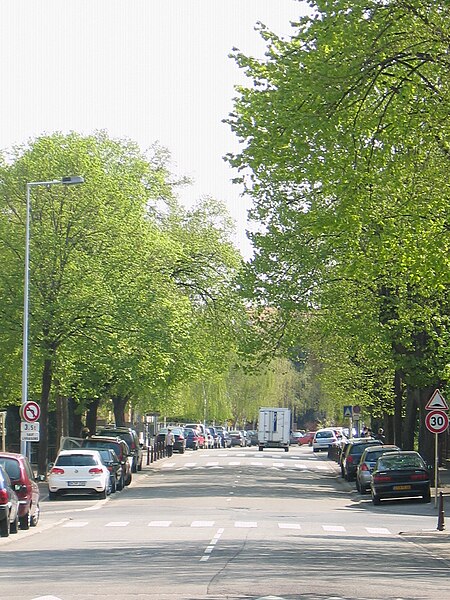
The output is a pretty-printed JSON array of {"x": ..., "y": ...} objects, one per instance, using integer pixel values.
[{"x": 436, "y": 421}]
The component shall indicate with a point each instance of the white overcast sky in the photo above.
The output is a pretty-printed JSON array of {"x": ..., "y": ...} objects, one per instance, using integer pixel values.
[{"x": 148, "y": 70}]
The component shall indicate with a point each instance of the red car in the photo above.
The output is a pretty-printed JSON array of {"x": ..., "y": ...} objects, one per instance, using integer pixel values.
[
  {"x": 307, "y": 438},
  {"x": 24, "y": 484}
]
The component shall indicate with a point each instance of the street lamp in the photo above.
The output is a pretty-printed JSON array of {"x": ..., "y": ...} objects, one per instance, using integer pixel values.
[{"x": 73, "y": 180}]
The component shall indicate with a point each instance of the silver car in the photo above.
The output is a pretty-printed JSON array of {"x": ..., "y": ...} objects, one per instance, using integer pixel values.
[{"x": 367, "y": 464}]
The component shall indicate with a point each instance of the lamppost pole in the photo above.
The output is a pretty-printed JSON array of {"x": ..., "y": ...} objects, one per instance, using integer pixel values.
[{"x": 64, "y": 181}]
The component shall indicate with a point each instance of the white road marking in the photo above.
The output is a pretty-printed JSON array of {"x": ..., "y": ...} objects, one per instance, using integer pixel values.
[
  {"x": 212, "y": 464},
  {"x": 381, "y": 530},
  {"x": 202, "y": 524},
  {"x": 257, "y": 464},
  {"x": 289, "y": 525},
  {"x": 160, "y": 523},
  {"x": 233, "y": 463},
  {"x": 204, "y": 558},
  {"x": 117, "y": 524},
  {"x": 245, "y": 524},
  {"x": 168, "y": 465},
  {"x": 190, "y": 464},
  {"x": 76, "y": 524},
  {"x": 333, "y": 528}
]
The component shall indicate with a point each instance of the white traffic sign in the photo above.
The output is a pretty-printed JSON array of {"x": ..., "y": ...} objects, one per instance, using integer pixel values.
[
  {"x": 436, "y": 421},
  {"x": 437, "y": 401},
  {"x": 29, "y": 432},
  {"x": 30, "y": 411}
]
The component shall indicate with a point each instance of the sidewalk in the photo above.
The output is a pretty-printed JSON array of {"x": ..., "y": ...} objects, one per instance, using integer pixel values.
[{"x": 433, "y": 541}]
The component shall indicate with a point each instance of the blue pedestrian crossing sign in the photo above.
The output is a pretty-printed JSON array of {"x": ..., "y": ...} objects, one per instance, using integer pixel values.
[{"x": 348, "y": 411}]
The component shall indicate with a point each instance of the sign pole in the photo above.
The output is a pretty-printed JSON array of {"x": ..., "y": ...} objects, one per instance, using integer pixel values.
[{"x": 436, "y": 468}]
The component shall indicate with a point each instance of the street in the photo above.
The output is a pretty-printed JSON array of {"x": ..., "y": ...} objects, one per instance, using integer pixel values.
[{"x": 218, "y": 524}]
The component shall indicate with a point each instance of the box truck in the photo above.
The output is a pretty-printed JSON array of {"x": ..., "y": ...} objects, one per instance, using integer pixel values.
[{"x": 274, "y": 428}]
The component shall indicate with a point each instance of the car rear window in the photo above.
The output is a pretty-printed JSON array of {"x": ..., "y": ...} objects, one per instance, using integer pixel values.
[
  {"x": 11, "y": 466},
  {"x": 96, "y": 444},
  {"x": 324, "y": 434},
  {"x": 405, "y": 461},
  {"x": 75, "y": 460}
]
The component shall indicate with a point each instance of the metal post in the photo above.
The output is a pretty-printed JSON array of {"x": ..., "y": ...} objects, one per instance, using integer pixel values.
[
  {"x": 441, "y": 517},
  {"x": 436, "y": 468},
  {"x": 23, "y": 443}
]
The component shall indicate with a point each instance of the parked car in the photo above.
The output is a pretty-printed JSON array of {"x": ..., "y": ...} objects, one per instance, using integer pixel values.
[
  {"x": 253, "y": 436},
  {"x": 323, "y": 438},
  {"x": 192, "y": 439},
  {"x": 24, "y": 483},
  {"x": 225, "y": 437},
  {"x": 131, "y": 437},
  {"x": 307, "y": 438},
  {"x": 294, "y": 438},
  {"x": 216, "y": 437},
  {"x": 200, "y": 429},
  {"x": 246, "y": 437},
  {"x": 367, "y": 463},
  {"x": 119, "y": 446},
  {"x": 9, "y": 506},
  {"x": 179, "y": 444},
  {"x": 237, "y": 439},
  {"x": 79, "y": 472},
  {"x": 352, "y": 455},
  {"x": 400, "y": 475},
  {"x": 114, "y": 466},
  {"x": 211, "y": 443}
]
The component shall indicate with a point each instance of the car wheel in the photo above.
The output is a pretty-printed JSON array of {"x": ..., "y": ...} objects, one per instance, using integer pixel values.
[
  {"x": 315, "y": 450},
  {"x": 35, "y": 518},
  {"x": 261, "y": 448},
  {"x": 52, "y": 495},
  {"x": 4, "y": 526},
  {"x": 102, "y": 495},
  {"x": 376, "y": 499},
  {"x": 120, "y": 483},
  {"x": 286, "y": 449},
  {"x": 14, "y": 526},
  {"x": 24, "y": 521},
  {"x": 426, "y": 497},
  {"x": 182, "y": 451},
  {"x": 140, "y": 466},
  {"x": 134, "y": 467},
  {"x": 358, "y": 487},
  {"x": 128, "y": 480}
]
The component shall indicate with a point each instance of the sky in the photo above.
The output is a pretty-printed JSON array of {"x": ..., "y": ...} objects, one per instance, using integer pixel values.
[{"x": 147, "y": 70}]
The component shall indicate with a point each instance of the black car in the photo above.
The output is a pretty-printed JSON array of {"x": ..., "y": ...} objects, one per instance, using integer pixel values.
[
  {"x": 192, "y": 439},
  {"x": 179, "y": 443},
  {"x": 351, "y": 455},
  {"x": 9, "y": 506},
  {"x": 119, "y": 446},
  {"x": 401, "y": 474},
  {"x": 130, "y": 436},
  {"x": 114, "y": 466}
]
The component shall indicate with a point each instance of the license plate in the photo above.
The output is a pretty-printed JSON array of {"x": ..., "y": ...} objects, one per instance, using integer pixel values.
[
  {"x": 76, "y": 483},
  {"x": 399, "y": 488}
]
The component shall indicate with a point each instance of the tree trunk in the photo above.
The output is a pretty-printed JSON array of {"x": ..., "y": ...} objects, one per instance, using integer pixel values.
[
  {"x": 119, "y": 404},
  {"x": 91, "y": 415},
  {"x": 410, "y": 420},
  {"x": 47, "y": 374},
  {"x": 75, "y": 421},
  {"x": 398, "y": 405}
]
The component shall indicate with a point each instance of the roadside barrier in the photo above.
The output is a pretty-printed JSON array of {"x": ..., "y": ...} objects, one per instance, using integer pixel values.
[{"x": 155, "y": 451}]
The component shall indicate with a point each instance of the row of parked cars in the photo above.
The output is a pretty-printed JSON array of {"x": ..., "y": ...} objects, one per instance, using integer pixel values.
[
  {"x": 383, "y": 470},
  {"x": 196, "y": 436}
]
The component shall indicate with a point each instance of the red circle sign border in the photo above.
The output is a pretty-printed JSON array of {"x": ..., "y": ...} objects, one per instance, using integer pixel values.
[
  {"x": 37, "y": 409},
  {"x": 432, "y": 414}
]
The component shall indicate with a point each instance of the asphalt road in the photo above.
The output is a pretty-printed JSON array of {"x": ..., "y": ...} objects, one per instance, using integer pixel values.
[{"x": 226, "y": 524}]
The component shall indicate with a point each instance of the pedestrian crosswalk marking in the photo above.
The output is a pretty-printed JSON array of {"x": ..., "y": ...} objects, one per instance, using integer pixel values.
[
  {"x": 289, "y": 525},
  {"x": 246, "y": 524},
  {"x": 381, "y": 530},
  {"x": 117, "y": 524},
  {"x": 160, "y": 523},
  {"x": 333, "y": 528},
  {"x": 76, "y": 524},
  {"x": 202, "y": 524}
]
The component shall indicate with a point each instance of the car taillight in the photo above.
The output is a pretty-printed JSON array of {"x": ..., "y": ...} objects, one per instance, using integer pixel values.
[
  {"x": 57, "y": 471},
  {"x": 364, "y": 467},
  {"x": 382, "y": 478},
  {"x": 350, "y": 459},
  {"x": 419, "y": 476},
  {"x": 95, "y": 470},
  {"x": 3, "y": 497}
]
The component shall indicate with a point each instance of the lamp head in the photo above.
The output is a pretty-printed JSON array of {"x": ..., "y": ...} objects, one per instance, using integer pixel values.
[{"x": 72, "y": 180}]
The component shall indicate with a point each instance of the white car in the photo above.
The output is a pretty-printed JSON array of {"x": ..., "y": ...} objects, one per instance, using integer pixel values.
[
  {"x": 324, "y": 438},
  {"x": 79, "y": 471}
]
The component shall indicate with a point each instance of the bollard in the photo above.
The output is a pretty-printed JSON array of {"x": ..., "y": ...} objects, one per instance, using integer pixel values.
[{"x": 441, "y": 518}]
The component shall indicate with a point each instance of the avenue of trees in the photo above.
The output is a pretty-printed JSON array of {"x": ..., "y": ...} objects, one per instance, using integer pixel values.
[
  {"x": 133, "y": 299},
  {"x": 345, "y": 152}
]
